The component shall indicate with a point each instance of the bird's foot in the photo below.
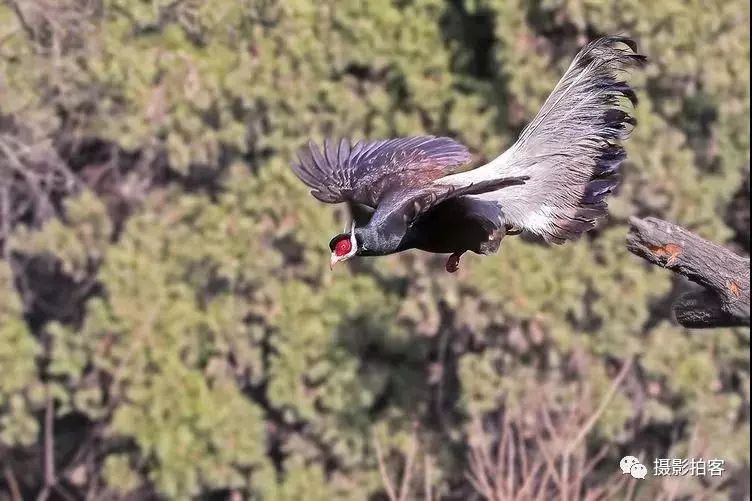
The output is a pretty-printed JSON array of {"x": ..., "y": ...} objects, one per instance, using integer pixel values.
[
  {"x": 513, "y": 230},
  {"x": 453, "y": 263}
]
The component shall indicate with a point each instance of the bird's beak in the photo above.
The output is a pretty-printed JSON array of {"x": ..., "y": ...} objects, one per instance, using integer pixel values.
[{"x": 333, "y": 260}]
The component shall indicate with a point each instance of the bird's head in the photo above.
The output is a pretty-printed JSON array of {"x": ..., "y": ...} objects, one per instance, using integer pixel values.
[{"x": 343, "y": 247}]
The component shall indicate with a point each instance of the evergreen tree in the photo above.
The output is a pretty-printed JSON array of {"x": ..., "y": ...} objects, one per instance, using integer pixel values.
[{"x": 168, "y": 325}]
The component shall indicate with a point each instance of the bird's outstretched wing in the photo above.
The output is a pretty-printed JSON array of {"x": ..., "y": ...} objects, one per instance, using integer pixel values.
[
  {"x": 359, "y": 214},
  {"x": 362, "y": 173},
  {"x": 414, "y": 203},
  {"x": 570, "y": 151}
]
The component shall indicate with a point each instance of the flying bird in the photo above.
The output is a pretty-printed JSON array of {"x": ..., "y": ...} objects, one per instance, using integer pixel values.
[{"x": 407, "y": 193}]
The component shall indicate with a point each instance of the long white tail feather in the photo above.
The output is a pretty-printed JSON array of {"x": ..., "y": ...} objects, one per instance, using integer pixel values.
[{"x": 571, "y": 150}]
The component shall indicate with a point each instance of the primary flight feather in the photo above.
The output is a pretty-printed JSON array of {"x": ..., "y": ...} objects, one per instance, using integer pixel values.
[{"x": 405, "y": 193}]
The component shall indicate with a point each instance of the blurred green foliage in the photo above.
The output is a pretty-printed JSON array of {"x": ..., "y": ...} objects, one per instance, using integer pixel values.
[{"x": 177, "y": 311}]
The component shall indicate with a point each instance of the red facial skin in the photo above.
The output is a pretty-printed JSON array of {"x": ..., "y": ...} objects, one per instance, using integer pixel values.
[{"x": 342, "y": 247}]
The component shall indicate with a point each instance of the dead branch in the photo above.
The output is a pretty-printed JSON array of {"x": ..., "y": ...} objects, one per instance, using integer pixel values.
[
  {"x": 10, "y": 480},
  {"x": 545, "y": 459},
  {"x": 408, "y": 472},
  {"x": 724, "y": 301},
  {"x": 50, "y": 478},
  {"x": 385, "y": 478}
]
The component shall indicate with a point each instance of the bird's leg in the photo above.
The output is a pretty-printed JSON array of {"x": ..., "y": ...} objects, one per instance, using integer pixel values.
[
  {"x": 453, "y": 263},
  {"x": 513, "y": 230},
  {"x": 491, "y": 245}
]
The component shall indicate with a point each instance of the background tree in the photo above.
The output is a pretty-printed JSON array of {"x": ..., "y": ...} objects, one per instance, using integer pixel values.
[{"x": 168, "y": 324}]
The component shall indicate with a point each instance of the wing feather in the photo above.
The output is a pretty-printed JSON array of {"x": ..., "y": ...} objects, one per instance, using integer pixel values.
[
  {"x": 367, "y": 170},
  {"x": 571, "y": 150}
]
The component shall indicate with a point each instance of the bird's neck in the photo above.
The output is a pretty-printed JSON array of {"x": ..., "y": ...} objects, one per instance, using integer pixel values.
[{"x": 373, "y": 242}]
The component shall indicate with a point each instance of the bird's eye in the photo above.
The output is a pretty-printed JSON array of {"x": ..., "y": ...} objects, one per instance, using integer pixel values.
[
  {"x": 342, "y": 247},
  {"x": 334, "y": 241}
]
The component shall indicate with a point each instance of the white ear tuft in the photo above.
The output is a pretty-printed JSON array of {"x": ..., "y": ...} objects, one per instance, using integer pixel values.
[
  {"x": 353, "y": 241},
  {"x": 348, "y": 221}
]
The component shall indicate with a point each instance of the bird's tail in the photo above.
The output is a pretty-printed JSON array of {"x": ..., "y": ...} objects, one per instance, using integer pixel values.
[{"x": 571, "y": 151}]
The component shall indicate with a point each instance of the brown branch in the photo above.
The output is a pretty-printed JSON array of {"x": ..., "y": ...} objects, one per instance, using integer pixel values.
[
  {"x": 427, "y": 479},
  {"x": 605, "y": 402},
  {"x": 724, "y": 301},
  {"x": 388, "y": 486},
  {"x": 50, "y": 478},
  {"x": 10, "y": 479},
  {"x": 408, "y": 473},
  {"x": 22, "y": 20}
]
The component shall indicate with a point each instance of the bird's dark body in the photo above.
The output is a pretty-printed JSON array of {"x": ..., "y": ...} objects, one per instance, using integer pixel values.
[{"x": 447, "y": 228}]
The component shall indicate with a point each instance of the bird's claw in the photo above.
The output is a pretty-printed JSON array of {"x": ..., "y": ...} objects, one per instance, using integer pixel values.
[
  {"x": 453, "y": 263},
  {"x": 512, "y": 230}
]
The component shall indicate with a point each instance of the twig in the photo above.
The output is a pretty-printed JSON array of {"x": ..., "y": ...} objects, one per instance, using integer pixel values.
[
  {"x": 427, "y": 478},
  {"x": 10, "y": 479},
  {"x": 408, "y": 473},
  {"x": 602, "y": 407},
  {"x": 21, "y": 18},
  {"x": 382, "y": 470},
  {"x": 49, "y": 449}
]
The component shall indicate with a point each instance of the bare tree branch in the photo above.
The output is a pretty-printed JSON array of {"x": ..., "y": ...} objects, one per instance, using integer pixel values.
[
  {"x": 407, "y": 476},
  {"x": 20, "y": 15},
  {"x": 605, "y": 402},
  {"x": 50, "y": 478},
  {"x": 10, "y": 479},
  {"x": 724, "y": 302},
  {"x": 388, "y": 486}
]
